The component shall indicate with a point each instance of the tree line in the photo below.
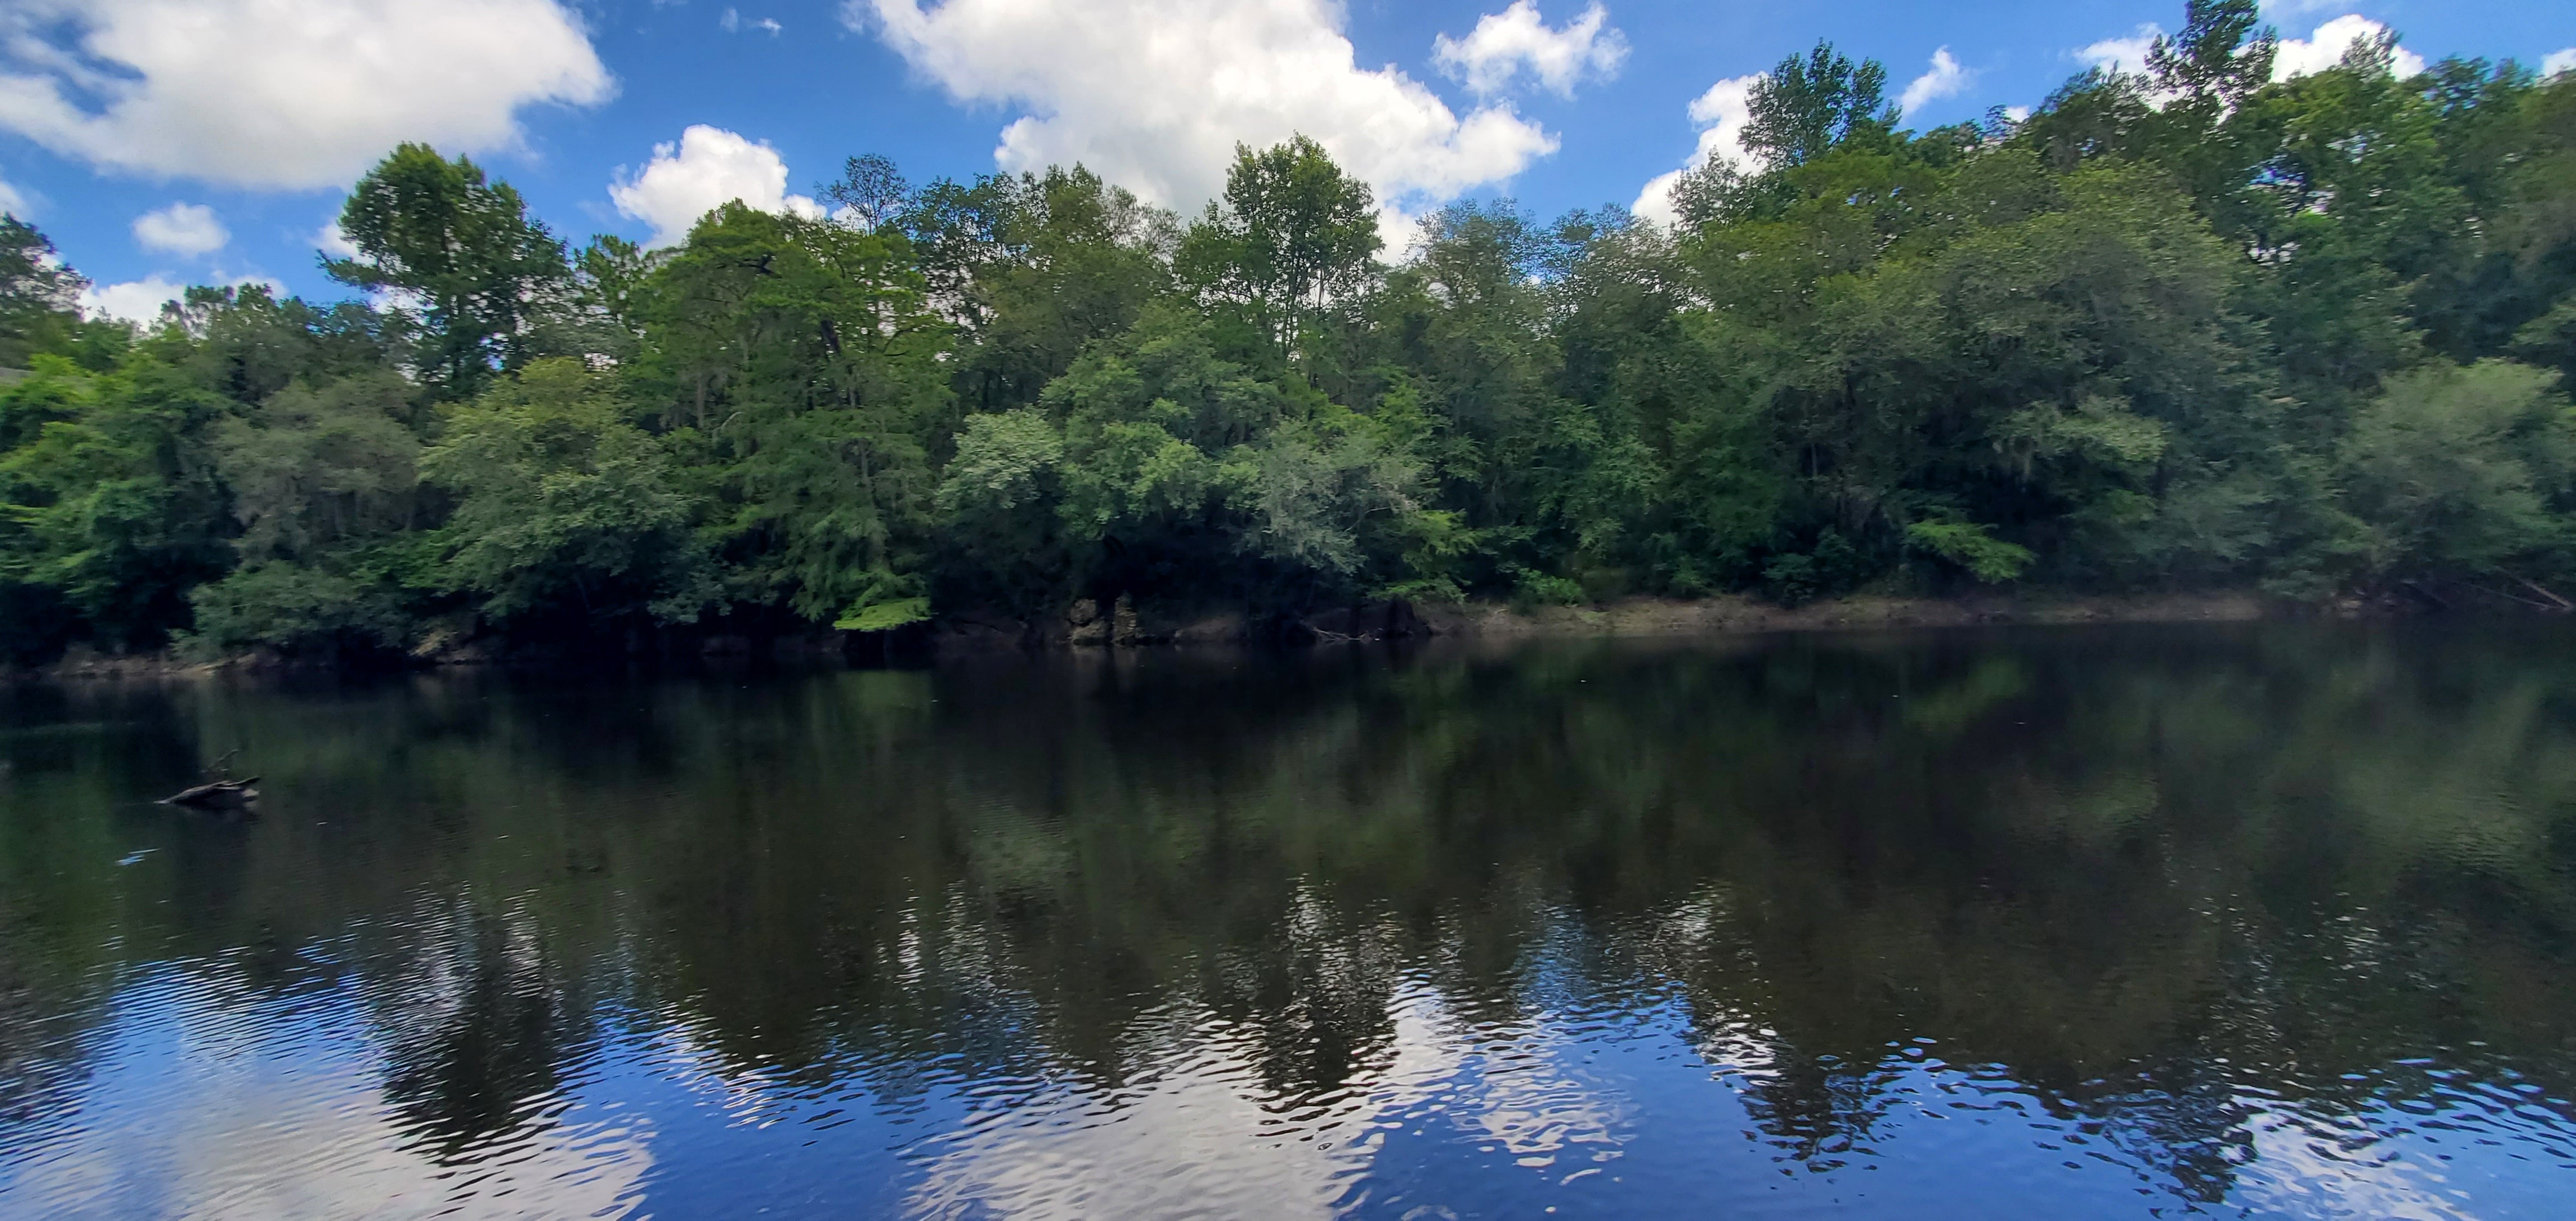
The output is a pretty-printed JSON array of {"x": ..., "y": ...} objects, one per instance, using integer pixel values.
[{"x": 2178, "y": 327}]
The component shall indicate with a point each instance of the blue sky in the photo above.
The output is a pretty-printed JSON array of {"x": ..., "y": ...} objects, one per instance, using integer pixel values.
[{"x": 163, "y": 142}]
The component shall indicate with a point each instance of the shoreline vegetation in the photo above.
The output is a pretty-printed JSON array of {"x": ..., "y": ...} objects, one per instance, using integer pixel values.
[{"x": 2185, "y": 328}]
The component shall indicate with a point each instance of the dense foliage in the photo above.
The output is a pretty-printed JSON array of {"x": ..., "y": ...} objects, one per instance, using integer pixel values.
[{"x": 2187, "y": 327}]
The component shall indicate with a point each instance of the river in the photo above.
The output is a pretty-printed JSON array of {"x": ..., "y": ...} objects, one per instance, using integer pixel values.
[{"x": 2255, "y": 920}]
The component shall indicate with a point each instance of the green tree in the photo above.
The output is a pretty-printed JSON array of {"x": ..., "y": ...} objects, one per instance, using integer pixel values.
[
  {"x": 37, "y": 295},
  {"x": 1803, "y": 107},
  {"x": 313, "y": 468},
  {"x": 1033, "y": 268},
  {"x": 2221, "y": 57},
  {"x": 1170, "y": 471},
  {"x": 871, "y": 192},
  {"x": 109, "y": 497},
  {"x": 998, "y": 504},
  {"x": 462, "y": 252},
  {"x": 806, "y": 367},
  {"x": 564, "y": 511},
  {"x": 2462, "y": 472},
  {"x": 1292, "y": 237},
  {"x": 244, "y": 343}
]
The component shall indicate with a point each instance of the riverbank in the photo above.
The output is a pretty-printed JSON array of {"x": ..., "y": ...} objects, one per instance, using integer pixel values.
[
  {"x": 1733, "y": 613},
  {"x": 1121, "y": 625}
]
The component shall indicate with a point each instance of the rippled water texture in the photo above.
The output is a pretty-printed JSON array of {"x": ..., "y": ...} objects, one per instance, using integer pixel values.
[{"x": 2272, "y": 921}]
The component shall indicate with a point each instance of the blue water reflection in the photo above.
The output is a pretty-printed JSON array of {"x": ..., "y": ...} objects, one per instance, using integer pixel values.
[{"x": 1566, "y": 931}]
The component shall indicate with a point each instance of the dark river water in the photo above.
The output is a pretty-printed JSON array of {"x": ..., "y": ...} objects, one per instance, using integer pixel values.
[{"x": 2275, "y": 920}]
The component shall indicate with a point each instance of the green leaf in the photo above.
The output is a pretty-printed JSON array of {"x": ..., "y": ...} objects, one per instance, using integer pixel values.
[
  {"x": 1967, "y": 544},
  {"x": 883, "y": 616}
]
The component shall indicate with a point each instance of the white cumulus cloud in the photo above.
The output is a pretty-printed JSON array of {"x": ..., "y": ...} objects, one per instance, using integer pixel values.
[
  {"x": 330, "y": 239},
  {"x": 2122, "y": 54},
  {"x": 181, "y": 229},
  {"x": 2324, "y": 49},
  {"x": 1504, "y": 43},
  {"x": 1155, "y": 94},
  {"x": 2295, "y": 56},
  {"x": 1946, "y": 79},
  {"x": 14, "y": 202},
  {"x": 2559, "y": 61},
  {"x": 134, "y": 301},
  {"x": 1723, "y": 113},
  {"x": 283, "y": 93},
  {"x": 706, "y": 169},
  {"x": 140, "y": 301}
]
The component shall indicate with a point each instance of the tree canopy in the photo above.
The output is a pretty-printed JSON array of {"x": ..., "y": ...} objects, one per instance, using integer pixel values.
[{"x": 2184, "y": 326}]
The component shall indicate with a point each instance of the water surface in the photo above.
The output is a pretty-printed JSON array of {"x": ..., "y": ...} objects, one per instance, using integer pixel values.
[{"x": 2125, "y": 922}]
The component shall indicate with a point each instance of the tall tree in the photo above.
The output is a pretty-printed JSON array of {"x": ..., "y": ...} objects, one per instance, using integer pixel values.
[
  {"x": 462, "y": 252},
  {"x": 803, "y": 358},
  {"x": 2221, "y": 57},
  {"x": 1292, "y": 236},
  {"x": 871, "y": 192},
  {"x": 1802, "y": 107}
]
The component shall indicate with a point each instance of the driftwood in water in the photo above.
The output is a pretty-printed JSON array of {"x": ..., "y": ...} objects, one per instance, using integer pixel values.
[
  {"x": 219, "y": 795},
  {"x": 2543, "y": 591}
]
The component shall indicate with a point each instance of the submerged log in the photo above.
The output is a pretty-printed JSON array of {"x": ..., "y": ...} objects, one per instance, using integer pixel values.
[{"x": 218, "y": 795}]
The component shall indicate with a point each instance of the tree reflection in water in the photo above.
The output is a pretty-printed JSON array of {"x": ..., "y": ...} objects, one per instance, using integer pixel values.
[{"x": 2177, "y": 902}]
